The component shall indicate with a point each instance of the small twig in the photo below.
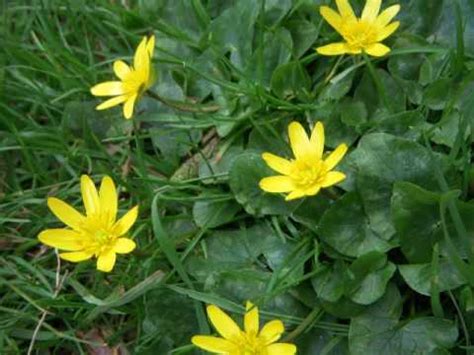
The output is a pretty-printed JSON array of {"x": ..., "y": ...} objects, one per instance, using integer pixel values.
[
  {"x": 57, "y": 287},
  {"x": 183, "y": 106}
]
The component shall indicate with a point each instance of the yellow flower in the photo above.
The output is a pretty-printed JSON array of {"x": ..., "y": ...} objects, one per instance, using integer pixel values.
[
  {"x": 249, "y": 341},
  {"x": 308, "y": 172},
  {"x": 95, "y": 234},
  {"x": 134, "y": 80},
  {"x": 360, "y": 35}
]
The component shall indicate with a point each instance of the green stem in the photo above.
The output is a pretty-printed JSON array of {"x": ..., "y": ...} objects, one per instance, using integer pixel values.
[
  {"x": 183, "y": 106},
  {"x": 377, "y": 82}
]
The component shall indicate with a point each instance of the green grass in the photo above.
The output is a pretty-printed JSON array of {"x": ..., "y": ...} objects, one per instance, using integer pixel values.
[{"x": 358, "y": 269}]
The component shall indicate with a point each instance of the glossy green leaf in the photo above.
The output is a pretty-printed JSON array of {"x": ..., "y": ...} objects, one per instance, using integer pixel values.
[
  {"x": 346, "y": 228},
  {"x": 379, "y": 328},
  {"x": 420, "y": 277},
  {"x": 383, "y": 159}
]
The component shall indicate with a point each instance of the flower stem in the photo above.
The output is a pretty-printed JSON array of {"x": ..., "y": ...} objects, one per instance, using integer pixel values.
[
  {"x": 377, "y": 82},
  {"x": 182, "y": 106}
]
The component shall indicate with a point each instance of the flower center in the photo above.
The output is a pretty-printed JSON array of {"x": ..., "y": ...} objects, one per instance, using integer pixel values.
[
  {"x": 305, "y": 175},
  {"x": 135, "y": 82},
  {"x": 103, "y": 240},
  {"x": 359, "y": 34},
  {"x": 251, "y": 344}
]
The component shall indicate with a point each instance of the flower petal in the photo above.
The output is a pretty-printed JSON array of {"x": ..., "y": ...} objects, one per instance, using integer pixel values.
[
  {"x": 112, "y": 102},
  {"x": 124, "y": 246},
  {"x": 90, "y": 196},
  {"x": 108, "y": 88},
  {"x": 128, "y": 107},
  {"x": 377, "y": 50},
  {"x": 214, "y": 344},
  {"x": 345, "y": 10},
  {"x": 277, "y": 183},
  {"x": 64, "y": 239},
  {"x": 371, "y": 10},
  {"x": 106, "y": 261},
  {"x": 293, "y": 195},
  {"x": 251, "y": 319},
  {"x": 313, "y": 190},
  {"x": 317, "y": 140},
  {"x": 299, "y": 141},
  {"x": 335, "y": 157},
  {"x": 66, "y": 213},
  {"x": 387, "y": 15},
  {"x": 121, "y": 69},
  {"x": 76, "y": 256},
  {"x": 337, "y": 48},
  {"x": 281, "y": 349},
  {"x": 332, "y": 17},
  {"x": 272, "y": 331},
  {"x": 278, "y": 164},
  {"x": 224, "y": 325},
  {"x": 387, "y": 31},
  {"x": 141, "y": 58},
  {"x": 333, "y": 178},
  {"x": 108, "y": 200},
  {"x": 150, "y": 46},
  {"x": 123, "y": 225}
]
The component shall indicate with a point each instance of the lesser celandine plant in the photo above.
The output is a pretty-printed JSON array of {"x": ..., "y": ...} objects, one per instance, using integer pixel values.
[
  {"x": 249, "y": 341},
  {"x": 134, "y": 80},
  {"x": 362, "y": 34},
  {"x": 309, "y": 171},
  {"x": 95, "y": 234}
]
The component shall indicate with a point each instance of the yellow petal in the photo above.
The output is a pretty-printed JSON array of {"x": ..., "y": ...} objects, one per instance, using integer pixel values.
[
  {"x": 281, "y": 349},
  {"x": 333, "y": 178},
  {"x": 150, "y": 46},
  {"x": 371, "y": 10},
  {"x": 377, "y": 50},
  {"x": 251, "y": 319},
  {"x": 335, "y": 157},
  {"x": 337, "y": 48},
  {"x": 111, "y": 102},
  {"x": 214, "y": 344},
  {"x": 387, "y": 31},
  {"x": 108, "y": 200},
  {"x": 272, "y": 331},
  {"x": 64, "y": 239},
  {"x": 313, "y": 190},
  {"x": 89, "y": 195},
  {"x": 124, "y": 246},
  {"x": 141, "y": 57},
  {"x": 128, "y": 107},
  {"x": 224, "y": 325},
  {"x": 106, "y": 261},
  {"x": 332, "y": 17},
  {"x": 278, "y": 183},
  {"x": 66, "y": 213},
  {"x": 108, "y": 88},
  {"x": 278, "y": 164},
  {"x": 121, "y": 69},
  {"x": 345, "y": 10},
  {"x": 317, "y": 140},
  {"x": 295, "y": 195},
  {"x": 76, "y": 256},
  {"x": 387, "y": 15},
  {"x": 123, "y": 225},
  {"x": 299, "y": 141}
]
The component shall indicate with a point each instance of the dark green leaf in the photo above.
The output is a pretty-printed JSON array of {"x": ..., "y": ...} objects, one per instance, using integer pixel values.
[
  {"x": 420, "y": 276},
  {"x": 346, "y": 228}
]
